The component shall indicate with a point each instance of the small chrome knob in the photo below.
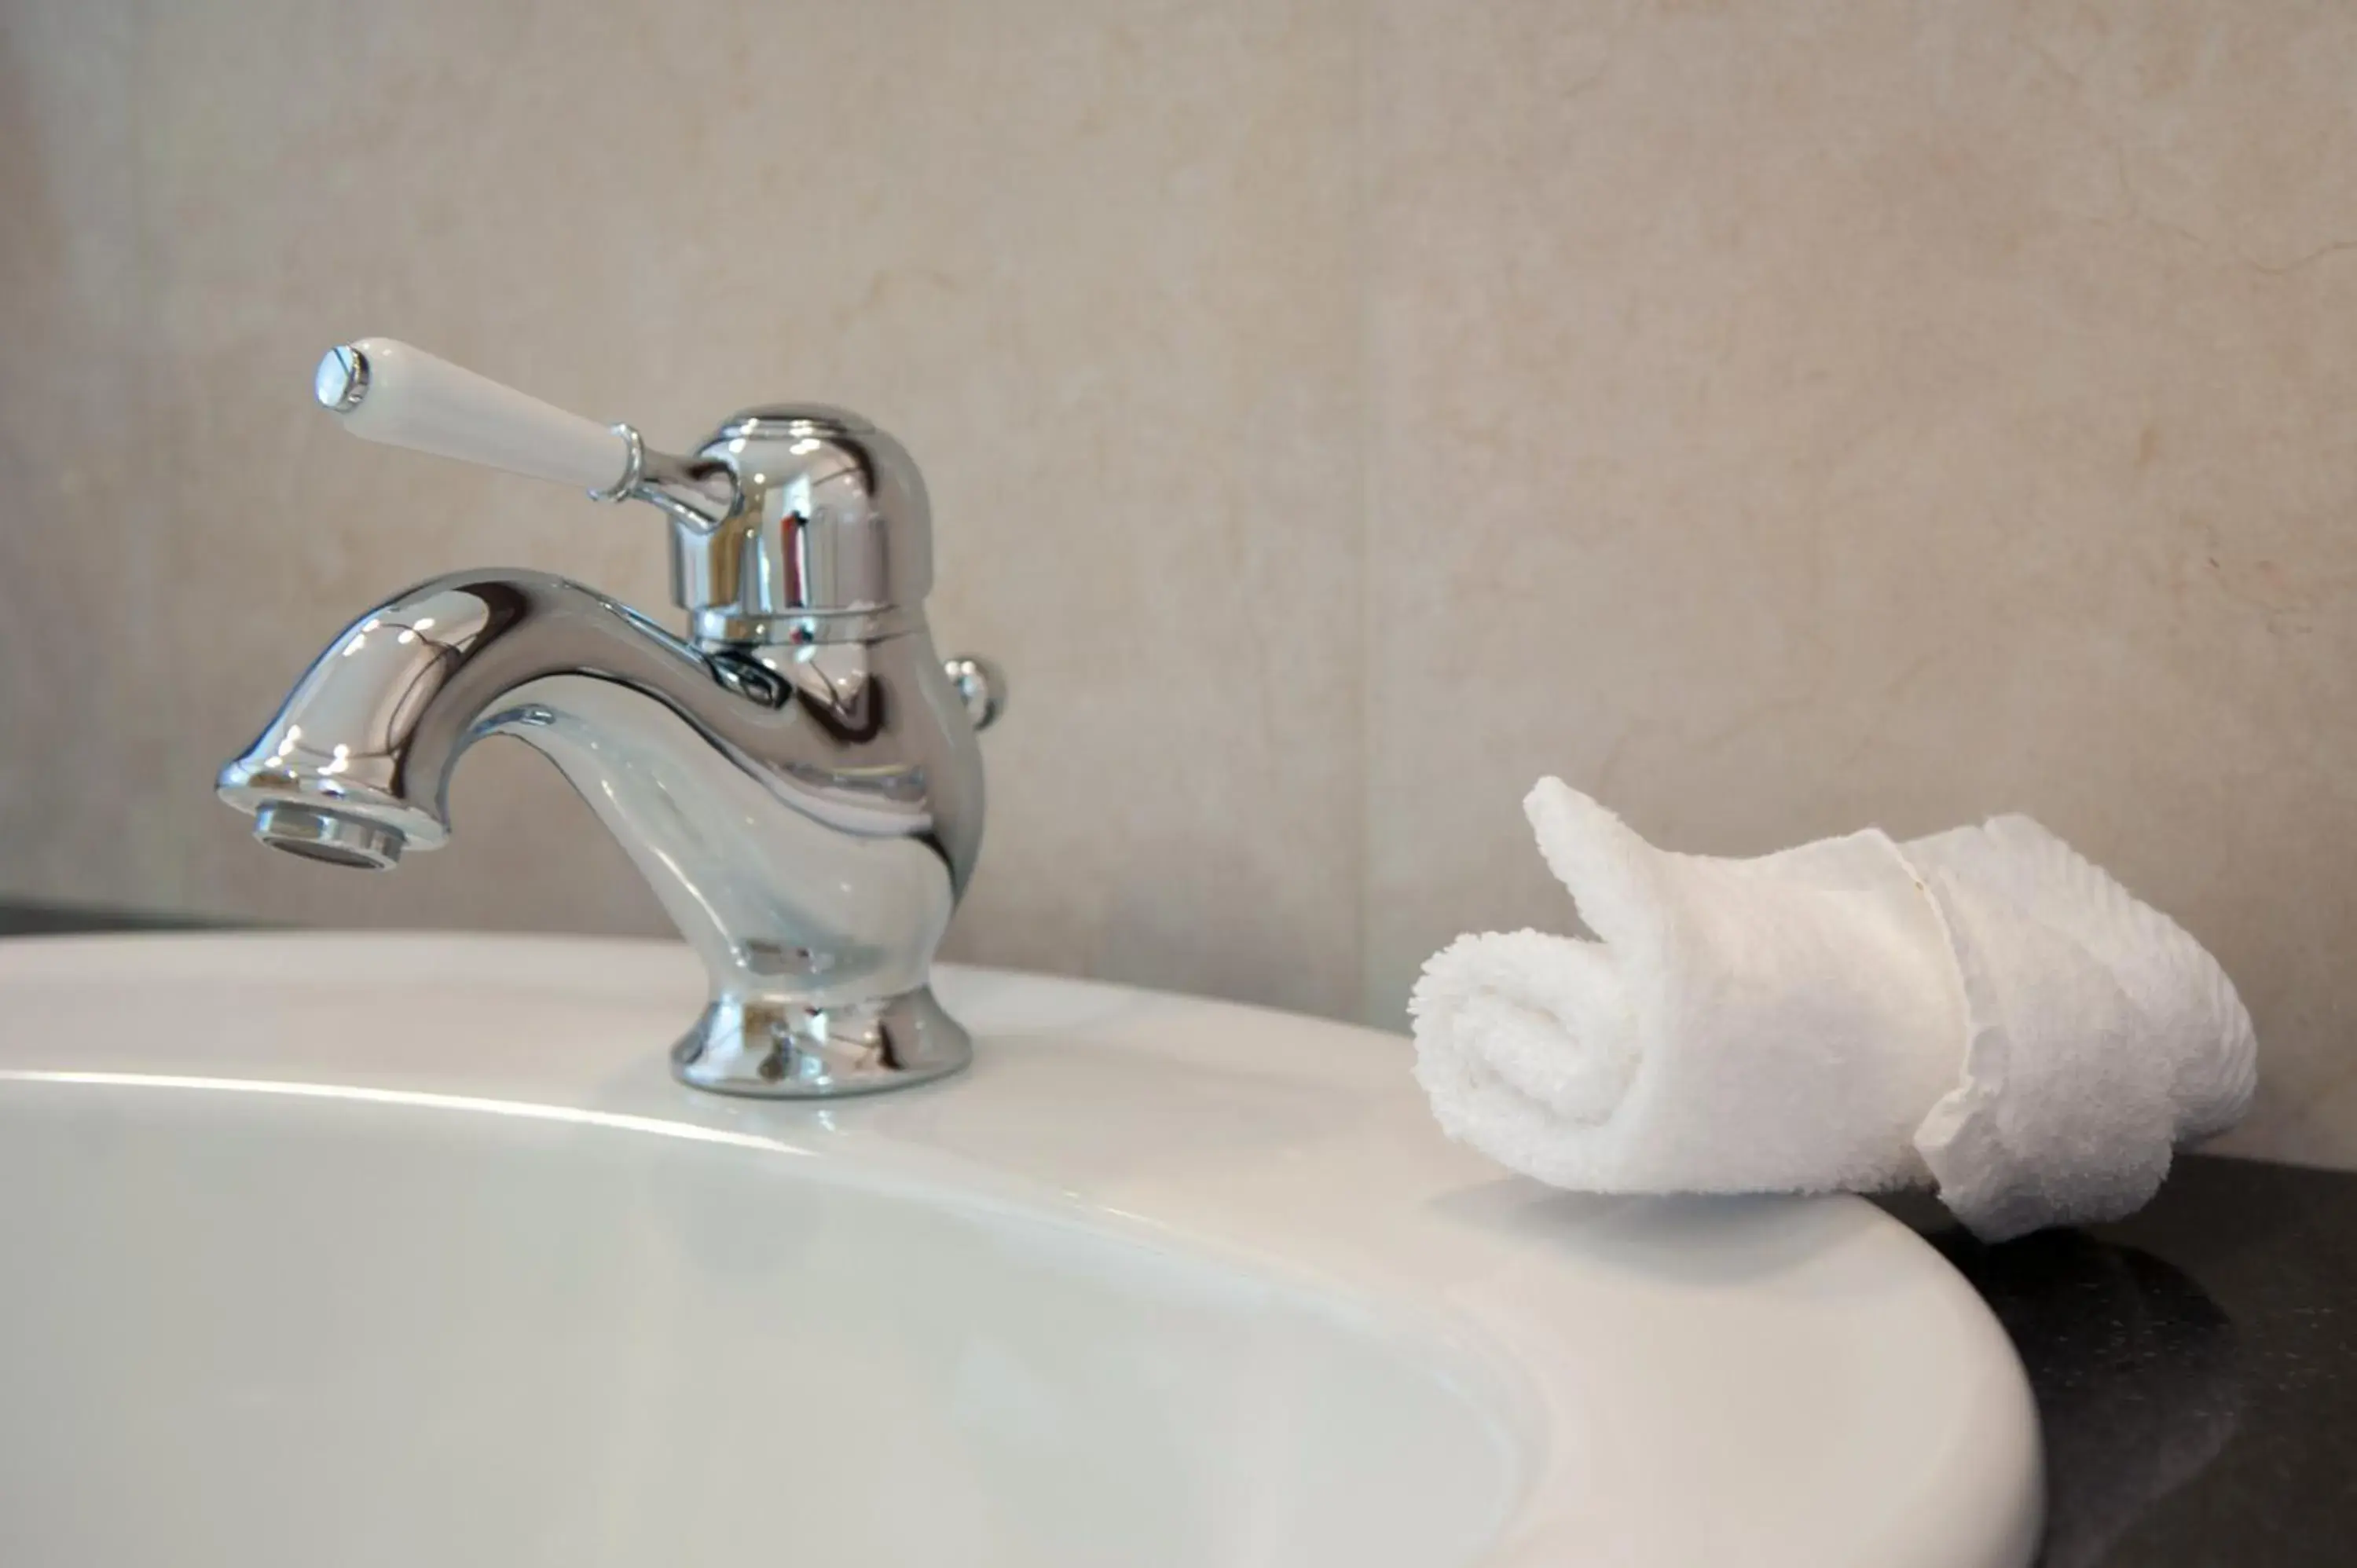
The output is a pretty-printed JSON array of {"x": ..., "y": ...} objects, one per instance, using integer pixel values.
[{"x": 980, "y": 685}]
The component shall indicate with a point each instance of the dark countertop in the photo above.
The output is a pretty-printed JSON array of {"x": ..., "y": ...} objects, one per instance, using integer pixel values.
[
  {"x": 2195, "y": 1364},
  {"x": 2195, "y": 1367}
]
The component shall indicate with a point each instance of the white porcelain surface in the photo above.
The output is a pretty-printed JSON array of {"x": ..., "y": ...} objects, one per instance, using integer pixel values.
[
  {"x": 421, "y": 401},
  {"x": 408, "y": 1249}
]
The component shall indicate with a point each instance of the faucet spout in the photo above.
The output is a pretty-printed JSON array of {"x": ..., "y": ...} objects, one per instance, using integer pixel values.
[{"x": 807, "y": 811}]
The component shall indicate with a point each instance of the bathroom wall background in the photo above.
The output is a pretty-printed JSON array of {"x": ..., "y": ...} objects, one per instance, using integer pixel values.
[{"x": 1772, "y": 418}]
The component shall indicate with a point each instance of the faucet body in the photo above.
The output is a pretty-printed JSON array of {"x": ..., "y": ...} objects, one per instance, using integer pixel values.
[{"x": 798, "y": 781}]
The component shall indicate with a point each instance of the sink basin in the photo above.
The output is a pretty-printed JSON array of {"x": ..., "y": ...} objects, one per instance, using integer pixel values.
[{"x": 408, "y": 1249}]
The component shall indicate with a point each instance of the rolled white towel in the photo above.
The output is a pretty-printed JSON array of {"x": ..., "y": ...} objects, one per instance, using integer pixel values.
[{"x": 1983, "y": 1010}]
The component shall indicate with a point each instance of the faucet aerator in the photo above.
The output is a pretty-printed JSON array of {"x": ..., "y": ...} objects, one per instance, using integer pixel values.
[{"x": 317, "y": 833}]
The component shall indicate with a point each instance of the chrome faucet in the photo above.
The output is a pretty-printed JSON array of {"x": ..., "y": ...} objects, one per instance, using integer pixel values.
[{"x": 797, "y": 779}]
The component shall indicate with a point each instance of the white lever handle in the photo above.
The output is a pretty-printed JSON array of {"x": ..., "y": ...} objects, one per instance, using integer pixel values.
[{"x": 386, "y": 391}]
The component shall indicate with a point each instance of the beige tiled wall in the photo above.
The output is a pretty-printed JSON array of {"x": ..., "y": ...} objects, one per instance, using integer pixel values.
[{"x": 1772, "y": 418}]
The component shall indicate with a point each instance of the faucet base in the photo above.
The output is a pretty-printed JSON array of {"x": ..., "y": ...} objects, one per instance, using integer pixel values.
[{"x": 776, "y": 1048}]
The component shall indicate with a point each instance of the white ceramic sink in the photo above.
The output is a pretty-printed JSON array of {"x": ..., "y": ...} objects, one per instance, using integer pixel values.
[{"x": 380, "y": 1249}]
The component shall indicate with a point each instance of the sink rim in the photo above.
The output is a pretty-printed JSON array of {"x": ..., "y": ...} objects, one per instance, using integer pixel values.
[{"x": 1339, "y": 1182}]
